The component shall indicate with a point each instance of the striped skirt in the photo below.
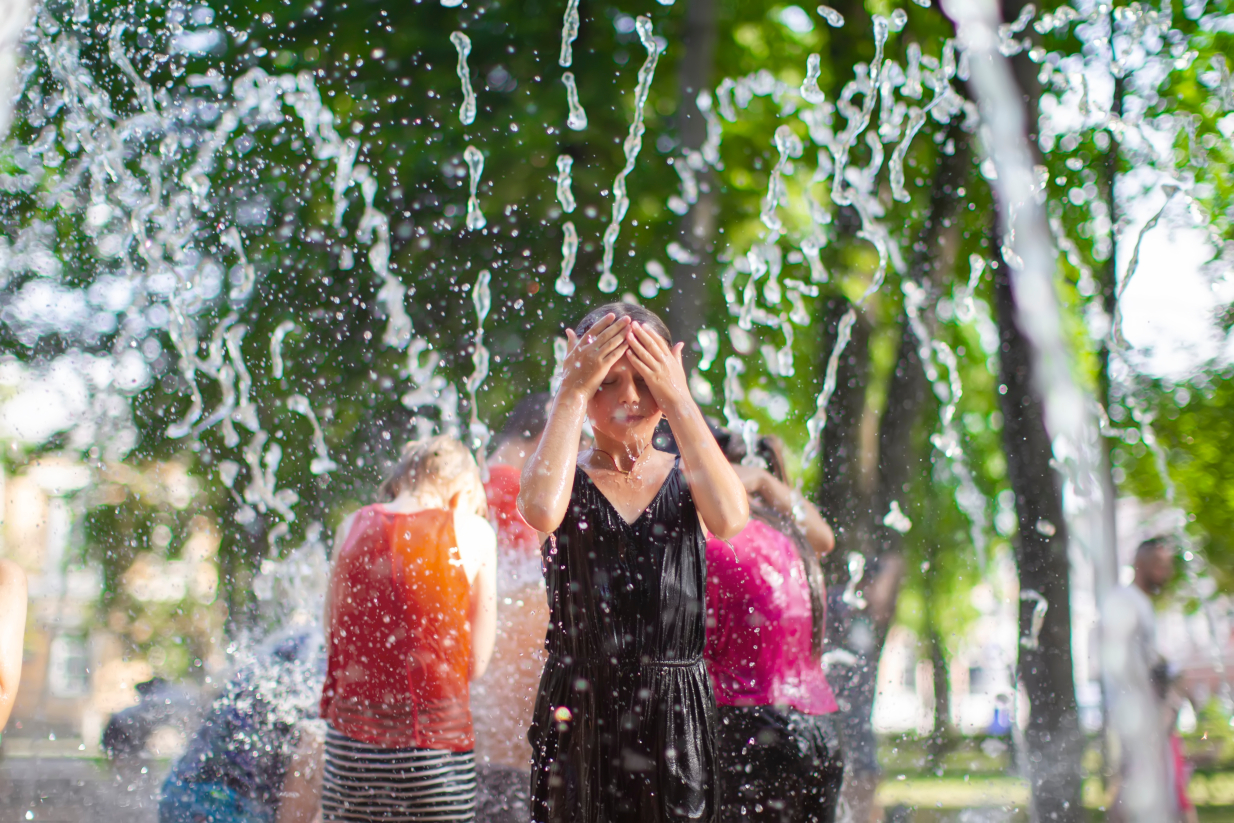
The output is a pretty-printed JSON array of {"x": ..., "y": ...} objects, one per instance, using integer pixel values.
[{"x": 363, "y": 783}]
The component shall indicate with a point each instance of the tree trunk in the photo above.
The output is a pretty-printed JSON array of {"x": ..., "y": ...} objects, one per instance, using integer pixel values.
[
  {"x": 687, "y": 308},
  {"x": 1054, "y": 742},
  {"x": 841, "y": 495},
  {"x": 897, "y": 457}
]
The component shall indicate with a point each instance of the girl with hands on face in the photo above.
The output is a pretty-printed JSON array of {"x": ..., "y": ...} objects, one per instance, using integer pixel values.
[{"x": 624, "y": 727}]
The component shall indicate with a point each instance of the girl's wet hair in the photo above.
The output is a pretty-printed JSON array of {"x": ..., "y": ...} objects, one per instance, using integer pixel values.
[
  {"x": 440, "y": 459},
  {"x": 633, "y": 311}
]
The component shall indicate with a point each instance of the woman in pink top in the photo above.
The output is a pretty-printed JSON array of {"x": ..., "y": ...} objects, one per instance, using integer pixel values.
[{"x": 780, "y": 757}]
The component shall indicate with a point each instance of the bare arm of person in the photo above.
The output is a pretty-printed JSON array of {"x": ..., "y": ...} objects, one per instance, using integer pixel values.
[
  {"x": 718, "y": 493},
  {"x": 12, "y": 634},
  {"x": 781, "y": 497},
  {"x": 300, "y": 797},
  {"x": 340, "y": 537},
  {"x": 477, "y": 545},
  {"x": 548, "y": 476}
]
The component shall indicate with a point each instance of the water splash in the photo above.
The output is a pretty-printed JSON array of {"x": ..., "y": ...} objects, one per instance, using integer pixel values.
[
  {"x": 560, "y": 350},
  {"x": 243, "y": 289},
  {"x": 276, "y": 347},
  {"x": 631, "y": 147},
  {"x": 733, "y": 393},
  {"x": 565, "y": 196},
  {"x": 809, "y": 87},
  {"x": 429, "y": 389},
  {"x": 1032, "y": 641},
  {"x": 245, "y": 412},
  {"x": 715, "y": 131},
  {"x": 569, "y": 33},
  {"x": 833, "y": 17},
  {"x": 856, "y": 571},
  {"x": 816, "y": 424},
  {"x": 577, "y": 118},
  {"x": 475, "y": 167},
  {"x": 709, "y": 345},
  {"x": 965, "y": 309},
  {"x": 467, "y": 111},
  {"x": 686, "y": 165},
  {"x": 374, "y": 228},
  {"x": 896, "y": 519},
  {"x": 916, "y": 119},
  {"x": 569, "y": 255},
  {"x": 1116, "y": 330},
  {"x": 789, "y": 146},
  {"x": 322, "y": 463},
  {"x": 482, "y": 299}
]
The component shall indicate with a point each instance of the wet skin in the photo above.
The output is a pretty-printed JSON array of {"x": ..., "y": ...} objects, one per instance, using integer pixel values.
[{"x": 624, "y": 378}]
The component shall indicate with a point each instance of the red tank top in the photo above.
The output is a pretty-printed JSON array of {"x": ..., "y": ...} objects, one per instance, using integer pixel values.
[
  {"x": 513, "y": 533},
  {"x": 400, "y": 640}
]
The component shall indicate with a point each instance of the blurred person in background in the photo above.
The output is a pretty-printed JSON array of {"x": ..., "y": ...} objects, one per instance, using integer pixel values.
[
  {"x": 410, "y": 620},
  {"x": 503, "y": 700},
  {"x": 1137, "y": 683},
  {"x": 517, "y": 441},
  {"x": 780, "y": 758},
  {"x": 12, "y": 634},
  {"x": 256, "y": 756}
]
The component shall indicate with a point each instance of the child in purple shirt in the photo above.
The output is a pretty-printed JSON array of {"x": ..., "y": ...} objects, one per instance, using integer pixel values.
[{"x": 779, "y": 752}]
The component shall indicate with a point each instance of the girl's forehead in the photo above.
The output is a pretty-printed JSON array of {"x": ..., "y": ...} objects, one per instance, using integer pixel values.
[{"x": 621, "y": 366}]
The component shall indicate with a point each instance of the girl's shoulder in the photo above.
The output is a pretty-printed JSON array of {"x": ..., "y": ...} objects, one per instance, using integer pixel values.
[{"x": 474, "y": 530}]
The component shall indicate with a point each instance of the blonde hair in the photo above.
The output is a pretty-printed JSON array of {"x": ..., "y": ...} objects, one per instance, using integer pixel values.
[{"x": 441, "y": 459}]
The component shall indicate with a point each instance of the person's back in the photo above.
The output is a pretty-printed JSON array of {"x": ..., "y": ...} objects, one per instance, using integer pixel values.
[
  {"x": 779, "y": 746},
  {"x": 400, "y": 642},
  {"x": 409, "y": 621},
  {"x": 760, "y": 624}
]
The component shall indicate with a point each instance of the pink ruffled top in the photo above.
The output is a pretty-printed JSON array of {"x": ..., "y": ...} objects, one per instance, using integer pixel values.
[{"x": 759, "y": 624}]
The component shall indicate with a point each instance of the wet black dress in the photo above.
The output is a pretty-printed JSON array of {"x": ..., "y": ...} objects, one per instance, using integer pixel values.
[{"x": 624, "y": 724}]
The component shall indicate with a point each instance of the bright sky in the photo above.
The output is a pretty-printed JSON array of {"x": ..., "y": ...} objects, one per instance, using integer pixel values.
[{"x": 1168, "y": 309}]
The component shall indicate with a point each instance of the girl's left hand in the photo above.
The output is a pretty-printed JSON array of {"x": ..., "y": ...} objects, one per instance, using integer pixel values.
[{"x": 659, "y": 365}]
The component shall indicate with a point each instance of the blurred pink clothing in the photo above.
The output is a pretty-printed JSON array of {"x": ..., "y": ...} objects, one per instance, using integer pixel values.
[{"x": 759, "y": 624}]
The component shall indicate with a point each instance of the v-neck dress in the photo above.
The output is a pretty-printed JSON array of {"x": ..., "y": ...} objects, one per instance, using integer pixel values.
[{"x": 624, "y": 724}]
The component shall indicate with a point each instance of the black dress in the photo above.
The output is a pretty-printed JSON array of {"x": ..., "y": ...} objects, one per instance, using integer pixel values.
[{"x": 624, "y": 724}]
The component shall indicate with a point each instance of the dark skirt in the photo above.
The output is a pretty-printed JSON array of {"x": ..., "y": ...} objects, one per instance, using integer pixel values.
[{"x": 778, "y": 765}]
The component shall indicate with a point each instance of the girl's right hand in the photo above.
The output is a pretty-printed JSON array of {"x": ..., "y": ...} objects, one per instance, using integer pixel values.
[{"x": 589, "y": 359}]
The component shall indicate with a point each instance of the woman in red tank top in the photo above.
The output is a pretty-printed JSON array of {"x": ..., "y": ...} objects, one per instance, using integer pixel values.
[{"x": 410, "y": 621}]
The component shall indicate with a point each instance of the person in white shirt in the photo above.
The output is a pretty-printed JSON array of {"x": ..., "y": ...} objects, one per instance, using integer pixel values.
[{"x": 1135, "y": 685}]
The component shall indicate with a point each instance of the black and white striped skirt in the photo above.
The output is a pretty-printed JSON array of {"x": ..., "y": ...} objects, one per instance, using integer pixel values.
[{"x": 363, "y": 783}]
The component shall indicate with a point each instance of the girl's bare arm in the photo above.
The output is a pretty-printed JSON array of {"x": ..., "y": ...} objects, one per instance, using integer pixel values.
[
  {"x": 718, "y": 493},
  {"x": 791, "y": 505},
  {"x": 549, "y": 474}
]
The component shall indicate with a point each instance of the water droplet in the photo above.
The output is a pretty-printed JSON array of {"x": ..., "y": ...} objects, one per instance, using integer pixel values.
[{"x": 833, "y": 17}]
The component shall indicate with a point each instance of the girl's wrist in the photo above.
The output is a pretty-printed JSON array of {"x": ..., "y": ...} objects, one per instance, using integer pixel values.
[
  {"x": 572, "y": 397},
  {"x": 680, "y": 408}
]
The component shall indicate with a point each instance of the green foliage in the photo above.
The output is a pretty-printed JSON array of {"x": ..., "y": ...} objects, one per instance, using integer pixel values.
[
  {"x": 1195, "y": 425},
  {"x": 386, "y": 72}
]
